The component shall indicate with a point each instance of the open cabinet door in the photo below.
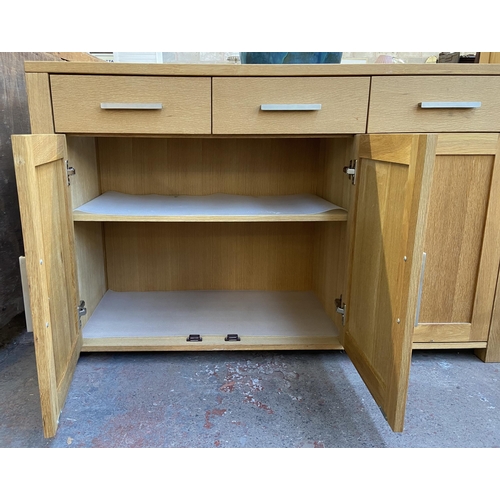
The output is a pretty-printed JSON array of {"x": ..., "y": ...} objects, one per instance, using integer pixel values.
[
  {"x": 50, "y": 259},
  {"x": 393, "y": 176}
]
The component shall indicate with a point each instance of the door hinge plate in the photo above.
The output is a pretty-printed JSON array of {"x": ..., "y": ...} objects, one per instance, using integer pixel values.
[
  {"x": 351, "y": 171},
  {"x": 232, "y": 337},
  {"x": 194, "y": 337}
]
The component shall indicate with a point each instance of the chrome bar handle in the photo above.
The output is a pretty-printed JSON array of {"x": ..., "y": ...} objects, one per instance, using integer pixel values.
[
  {"x": 450, "y": 105},
  {"x": 420, "y": 286},
  {"x": 131, "y": 105},
  {"x": 290, "y": 107}
]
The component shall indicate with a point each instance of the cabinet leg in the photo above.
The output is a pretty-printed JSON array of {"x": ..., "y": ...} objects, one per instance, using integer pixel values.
[
  {"x": 489, "y": 354},
  {"x": 492, "y": 352}
]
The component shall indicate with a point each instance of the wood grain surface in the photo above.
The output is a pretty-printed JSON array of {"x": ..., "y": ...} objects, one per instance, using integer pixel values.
[
  {"x": 76, "y": 103},
  {"x": 50, "y": 258},
  {"x": 237, "y": 105},
  {"x": 394, "y": 104}
]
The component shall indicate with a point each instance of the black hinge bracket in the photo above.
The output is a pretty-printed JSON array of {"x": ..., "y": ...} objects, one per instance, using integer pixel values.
[
  {"x": 194, "y": 337},
  {"x": 232, "y": 337}
]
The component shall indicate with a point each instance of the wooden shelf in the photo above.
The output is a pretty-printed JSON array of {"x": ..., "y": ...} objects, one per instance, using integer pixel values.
[
  {"x": 163, "y": 320},
  {"x": 115, "y": 207}
]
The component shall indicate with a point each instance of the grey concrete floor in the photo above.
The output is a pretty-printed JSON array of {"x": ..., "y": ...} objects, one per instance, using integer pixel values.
[{"x": 245, "y": 400}]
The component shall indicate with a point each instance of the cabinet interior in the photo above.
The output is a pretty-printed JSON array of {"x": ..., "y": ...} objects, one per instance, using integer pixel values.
[{"x": 149, "y": 282}]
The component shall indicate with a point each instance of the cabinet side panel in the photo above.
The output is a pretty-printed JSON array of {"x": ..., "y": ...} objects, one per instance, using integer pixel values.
[
  {"x": 82, "y": 156},
  {"x": 330, "y": 245},
  {"x": 192, "y": 166},
  {"x": 89, "y": 241},
  {"x": 215, "y": 256},
  {"x": 91, "y": 266}
]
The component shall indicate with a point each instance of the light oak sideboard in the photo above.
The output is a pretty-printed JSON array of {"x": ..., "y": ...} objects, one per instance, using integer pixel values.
[{"x": 211, "y": 207}]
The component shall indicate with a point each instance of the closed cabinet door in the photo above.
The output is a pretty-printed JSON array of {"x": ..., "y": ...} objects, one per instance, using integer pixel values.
[
  {"x": 461, "y": 242},
  {"x": 48, "y": 235},
  {"x": 392, "y": 184}
]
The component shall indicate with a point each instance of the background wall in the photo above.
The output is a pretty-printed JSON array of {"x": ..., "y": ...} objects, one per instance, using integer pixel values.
[
  {"x": 224, "y": 57},
  {"x": 354, "y": 57},
  {"x": 15, "y": 120}
]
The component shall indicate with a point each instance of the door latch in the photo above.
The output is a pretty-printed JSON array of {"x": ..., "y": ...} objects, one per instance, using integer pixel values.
[
  {"x": 351, "y": 171},
  {"x": 341, "y": 308}
]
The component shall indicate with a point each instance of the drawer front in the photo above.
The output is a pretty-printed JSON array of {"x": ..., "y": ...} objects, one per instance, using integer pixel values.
[
  {"x": 395, "y": 104},
  {"x": 87, "y": 104},
  {"x": 238, "y": 105}
]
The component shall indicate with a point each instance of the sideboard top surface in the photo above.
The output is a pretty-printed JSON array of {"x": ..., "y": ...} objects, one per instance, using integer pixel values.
[{"x": 259, "y": 69}]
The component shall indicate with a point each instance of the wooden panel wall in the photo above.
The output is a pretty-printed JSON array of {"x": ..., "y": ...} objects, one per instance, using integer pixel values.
[
  {"x": 89, "y": 238},
  {"x": 207, "y": 166},
  {"x": 462, "y": 241},
  {"x": 215, "y": 256},
  {"x": 331, "y": 240},
  {"x": 454, "y": 236}
]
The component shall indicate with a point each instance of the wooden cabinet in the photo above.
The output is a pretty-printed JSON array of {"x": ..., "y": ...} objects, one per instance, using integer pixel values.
[{"x": 208, "y": 224}]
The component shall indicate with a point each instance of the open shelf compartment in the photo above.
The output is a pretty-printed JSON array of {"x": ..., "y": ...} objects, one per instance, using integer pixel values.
[{"x": 164, "y": 321}]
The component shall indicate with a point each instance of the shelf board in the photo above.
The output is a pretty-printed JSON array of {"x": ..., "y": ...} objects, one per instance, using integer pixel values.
[
  {"x": 162, "y": 321},
  {"x": 118, "y": 207}
]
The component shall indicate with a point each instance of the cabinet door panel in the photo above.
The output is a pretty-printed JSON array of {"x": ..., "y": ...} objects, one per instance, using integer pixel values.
[
  {"x": 393, "y": 181},
  {"x": 462, "y": 242},
  {"x": 49, "y": 244}
]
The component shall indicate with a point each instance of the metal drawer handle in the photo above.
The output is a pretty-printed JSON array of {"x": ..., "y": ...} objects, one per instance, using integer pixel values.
[
  {"x": 290, "y": 107},
  {"x": 131, "y": 105},
  {"x": 458, "y": 104}
]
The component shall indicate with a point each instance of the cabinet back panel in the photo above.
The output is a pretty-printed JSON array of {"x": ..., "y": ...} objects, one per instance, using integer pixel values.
[
  {"x": 453, "y": 238},
  {"x": 215, "y": 256},
  {"x": 190, "y": 166}
]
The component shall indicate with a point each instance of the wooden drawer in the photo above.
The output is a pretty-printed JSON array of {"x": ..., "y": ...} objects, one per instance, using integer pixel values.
[
  {"x": 185, "y": 101},
  {"x": 237, "y": 105},
  {"x": 395, "y": 104}
]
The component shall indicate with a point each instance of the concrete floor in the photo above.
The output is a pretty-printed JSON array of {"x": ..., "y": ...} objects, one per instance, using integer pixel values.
[{"x": 245, "y": 400}]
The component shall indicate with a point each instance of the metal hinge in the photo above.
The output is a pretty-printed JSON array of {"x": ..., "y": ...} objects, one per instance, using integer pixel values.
[
  {"x": 82, "y": 311},
  {"x": 232, "y": 337},
  {"x": 69, "y": 171},
  {"x": 341, "y": 308},
  {"x": 351, "y": 171},
  {"x": 194, "y": 337}
]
